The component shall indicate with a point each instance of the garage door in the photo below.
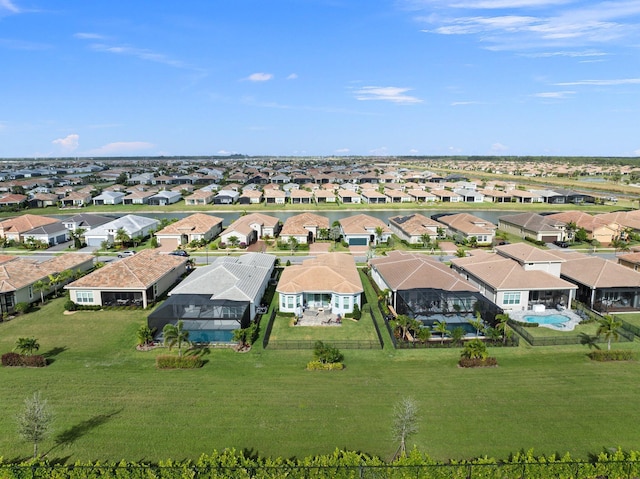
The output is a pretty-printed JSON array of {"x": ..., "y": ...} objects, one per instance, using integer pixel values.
[
  {"x": 358, "y": 241},
  {"x": 549, "y": 239}
]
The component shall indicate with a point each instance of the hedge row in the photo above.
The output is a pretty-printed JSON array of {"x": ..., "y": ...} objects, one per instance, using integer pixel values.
[
  {"x": 166, "y": 361},
  {"x": 23, "y": 360},
  {"x": 341, "y": 465},
  {"x": 615, "y": 355},
  {"x": 320, "y": 366},
  {"x": 477, "y": 362}
]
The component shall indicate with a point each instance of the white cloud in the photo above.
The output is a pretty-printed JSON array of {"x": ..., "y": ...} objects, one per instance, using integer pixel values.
[
  {"x": 293, "y": 76},
  {"x": 636, "y": 152},
  {"x": 388, "y": 93},
  {"x": 259, "y": 77},
  {"x": 89, "y": 36},
  {"x": 382, "y": 151},
  {"x": 614, "y": 82},
  {"x": 496, "y": 147},
  {"x": 565, "y": 54},
  {"x": 68, "y": 143},
  {"x": 225, "y": 152},
  {"x": 141, "y": 53},
  {"x": 120, "y": 148},
  {"x": 8, "y": 6},
  {"x": 413, "y": 151},
  {"x": 462, "y": 103},
  {"x": 492, "y": 4},
  {"x": 342, "y": 151},
  {"x": 554, "y": 94}
]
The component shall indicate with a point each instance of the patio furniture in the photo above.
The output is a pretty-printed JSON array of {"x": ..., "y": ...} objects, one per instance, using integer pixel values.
[{"x": 538, "y": 308}]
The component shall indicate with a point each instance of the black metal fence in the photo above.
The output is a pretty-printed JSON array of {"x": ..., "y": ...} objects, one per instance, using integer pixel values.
[
  {"x": 309, "y": 344},
  {"x": 522, "y": 470}
]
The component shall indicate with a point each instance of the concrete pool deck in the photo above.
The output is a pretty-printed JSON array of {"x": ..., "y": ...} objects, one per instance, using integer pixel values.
[{"x": 572, "y": 318}]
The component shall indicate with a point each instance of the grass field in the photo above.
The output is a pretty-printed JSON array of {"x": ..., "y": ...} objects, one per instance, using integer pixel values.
[{"x": 110, "y": 402}]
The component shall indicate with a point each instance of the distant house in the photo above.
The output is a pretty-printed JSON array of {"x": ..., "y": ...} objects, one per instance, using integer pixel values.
[
  {"x": 630, "y": 260},
  {"x": 135, "y": 226},
  {"x": 76, "y": 199},
  {"x": 195, "y": 227},
  {"x": 42, "y": 200},
  {"x": 109, "y": 198},
  {"x": 423, "y": 196},
  {"x": 464, "y": 226},
  {"x": 250, "y": 197},
  {"x": 51, "y": 234},
  {"x": 13, "y": 200},
  {"x": 249, "y": 228},
  {"x": 138, "y": 197},
  {"x": 397, "y": 196},
  {"x": 597, "y": 228},
  {"x": 304, "y": 228},
  {"x": 138, "y": 280},
  {"x": 411, "y": 228},
  {"x": 273, "y": 196},
  {"x": 20, "y": 274},
  {"x": 373, "y": 197},
  {"x": 324, "y": 196},
  {"x": 16, "y": 228},
  {"x": 226, "y": 197},
  {"x": 300, "y": 196},
  {"x": 533, "y": 225},
  {"x": 85, "y": 221},
  {"x": 330, "y": 281},
  {"x": 164, "y": 198},
  {"x": 470, "y": 195},
  {"x": 446, "y": 196},
  {"x": 349, "y": 197},
  {"x": 199, "y": 197},
  {"x": 360, "y": 230},
  {"x": 217, "y": 299}
]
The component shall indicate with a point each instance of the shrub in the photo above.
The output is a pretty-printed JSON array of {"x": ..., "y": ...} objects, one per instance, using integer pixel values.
[
  {"x": 320, "y": 366},
  {"x": 22, "y": 360},
  {"x": 614, "y": 355},
  {"x": 477, "y": 362},
  {"x": 326, "y": 353},
  {"x": 70, "y": 305},
  {"x": 357, "y": 314},
  {"x": 22, "y": 308},
  {"x": 166, "y": 361}
]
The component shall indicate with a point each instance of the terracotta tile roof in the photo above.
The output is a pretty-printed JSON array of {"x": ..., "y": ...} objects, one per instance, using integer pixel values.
[
  {"x": 597, "y": 272},
  {"x": 23, "y": 223},
  {"x": 402, "y": 271},
  {"x": 533, "y": 221},
  {"x": 361, "y": 224},
  {"x": 584, "y": 220},
  {"x": 416, "y": 224},
  {"x": 331, "y": 272},
  {"x": 504, "y": 274},
  {"x": 468, "y": 224},
  {"x": 139, "y": 271},
  {"x": 295, "y": 225},
  {"x": 194, "y": 224},
  {"x": 21, "y": 272},
  {"x": 525, "y": 253}
]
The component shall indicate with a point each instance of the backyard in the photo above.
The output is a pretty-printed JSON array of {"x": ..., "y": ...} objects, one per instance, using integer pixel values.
[{"x": 110, "y": 402}]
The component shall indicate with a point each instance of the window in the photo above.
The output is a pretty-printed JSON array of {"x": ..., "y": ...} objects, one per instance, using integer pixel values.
[
  {"x": 346, "y": 303},
  {"x": 84, "y": 297},
  {"x": 512, "y": 297},
  {"x": 290, "y": 302}
]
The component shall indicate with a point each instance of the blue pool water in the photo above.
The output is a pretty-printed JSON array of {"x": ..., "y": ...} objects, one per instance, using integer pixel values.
[
  {"x": 210, "y": 336},
  {"x": 546, "y": 319}
]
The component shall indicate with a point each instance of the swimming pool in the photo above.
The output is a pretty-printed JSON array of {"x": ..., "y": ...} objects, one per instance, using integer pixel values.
[
  {"x": 553, "y": 319},
  {"x": 211, "y": 336}
]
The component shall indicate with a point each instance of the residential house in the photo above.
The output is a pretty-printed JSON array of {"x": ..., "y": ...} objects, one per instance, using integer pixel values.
[
  {"x": 413, "y": 228},
  {"x": 249, "y": 228},
  {"x": 446, "y": 196},
  {"x": 43, "y": 200},
  {"x": 596, "y": 228},
  {"x": 199, "y": 197},
  {"x": 630, "y": 260},
  {"x": 349, "y": 197},
  {"x": 533, "y": 225},
  {"x": 139, "y": 197},
  {"x": 300, "y": 196},
  {"x": 85, "y": 221},
  {"x": 465, "y": 227},
  {"x": 274, "y": 196},
  {"x": 217, "y": 299},
  {"x": 195, "y": 227},
  {"x": 517, "y": 276},
  {"x": 250, "y": 197},
  {"x": 164, "y": 198},
  {"x": 603, "y": 285},
  {"x": 328, "y": 282},
  {"x": 226, "y": 197},
  {"x": 428, "y": 290},
  {"x": 304, "y": 228},
  {"x": 19, "y": 275},
  {"x": 109, "y": 198},
  {"x": 470, "y": 195},
  {"x": 421, "y": 196},
  {"x": 15, "y": 228},
  {"x": 372, "y": 196},
  {"x": 51, "y": 234},
  {"x": 13, "y": 200},
  {"x": 137, "y": 280},
  {"x": 134, "y": 226},
  {"x": 360, "y": 230},
  {"x": 324, "y": 196},
  {"x": 397, "y": 196}
]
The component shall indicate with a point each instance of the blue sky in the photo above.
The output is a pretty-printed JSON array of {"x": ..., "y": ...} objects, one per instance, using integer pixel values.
[{"x": 319, "y": 77}]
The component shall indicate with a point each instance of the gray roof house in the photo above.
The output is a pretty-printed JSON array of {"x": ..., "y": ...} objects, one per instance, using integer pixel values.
[
  {"x": 133, "y": 225},
  {"x": 85, "y": 221},
  {"x": 533, "y": 225},
  {"x": 109, "y": 198},
  {"x": 218, "y": 298}
]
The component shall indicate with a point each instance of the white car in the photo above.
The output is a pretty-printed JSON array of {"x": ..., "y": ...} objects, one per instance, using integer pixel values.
[{"x": 124, "y": 254}]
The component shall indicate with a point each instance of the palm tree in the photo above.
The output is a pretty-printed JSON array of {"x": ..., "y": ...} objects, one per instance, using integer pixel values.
[
  {"x": 27, "y": 345},
  {"x": 173, "y": 335},
  {"x": 457, "y": 334},
  {"x": 41, "y": 285},
  {"x": 608, "y": 327},
  {"x": 379, "y": 231},
  {"x": 293, "y": 244},
  {"x": 76, "y": 236},
  {"x": 145, "y": 335},
  {"x": 121, "y": 237},
  {"x": 503, "y": 325},
  {"x": 54, "y": 280},
  {"x": 425, "y": 239},
  {"x": 403, "y": 321},
  {"x": 477, "y": 323},
  {"x": 571, "y": 229},
  {"x": 441, "y": 327},
  {"x": 233, "y": 240},
  {"x": 619, "y": 245},
  {"x": 475, "y": 349}
]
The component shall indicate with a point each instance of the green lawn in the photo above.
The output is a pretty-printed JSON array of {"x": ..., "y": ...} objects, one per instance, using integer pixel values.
[{"x": 111, "y": 403}]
